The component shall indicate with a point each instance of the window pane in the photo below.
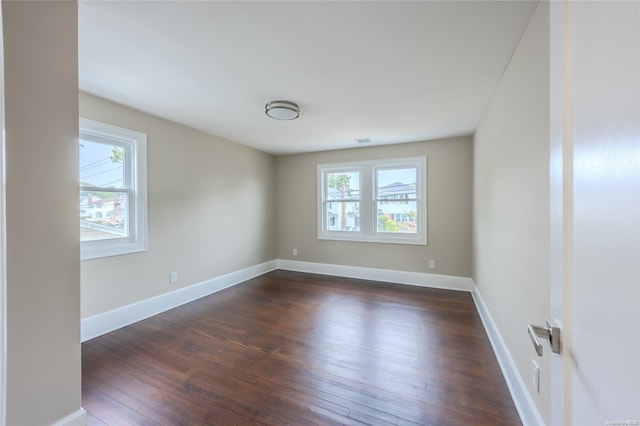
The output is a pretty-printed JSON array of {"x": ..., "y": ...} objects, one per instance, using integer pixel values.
[
  {"x": 101, "y": 165},
  {"x": 397, "y": 216},
  {"x": 103, "y": 215},
  {"x": 396, "y": 184},
  {"x": 343, "y": 186},
  {"x": 375, "y": 201},
  {"x": 342, "y": 216}
]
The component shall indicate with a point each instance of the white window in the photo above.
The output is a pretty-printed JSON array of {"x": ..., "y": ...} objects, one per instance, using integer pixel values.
[
  {"x": 375, "y": 201},
  {"x": 113, "y": 190}
]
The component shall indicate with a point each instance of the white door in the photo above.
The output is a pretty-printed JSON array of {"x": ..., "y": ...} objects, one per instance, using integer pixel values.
[{"x": 595, "y": 199}]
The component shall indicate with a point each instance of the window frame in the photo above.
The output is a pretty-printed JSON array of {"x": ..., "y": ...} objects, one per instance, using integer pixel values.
[
  {"x": 135, "y": 176},
  {"x": 368, "y": 202}
]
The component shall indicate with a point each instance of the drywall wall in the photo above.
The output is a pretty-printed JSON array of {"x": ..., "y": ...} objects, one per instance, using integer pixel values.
[
  {"x": 211, "y": 211},
  {"x": 511, "y": 201},
  {"x": 449, "y": 163},
  {"x": 43, "y": 282}
]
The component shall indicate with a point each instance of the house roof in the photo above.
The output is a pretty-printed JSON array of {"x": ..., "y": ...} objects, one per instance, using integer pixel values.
[{"x": 397, "y": 188}]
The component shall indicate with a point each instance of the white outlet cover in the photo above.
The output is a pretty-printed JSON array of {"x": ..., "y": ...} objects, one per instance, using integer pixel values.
[
  {"x": 173, "y": 277},
  {"x": 535, "y": 376}
]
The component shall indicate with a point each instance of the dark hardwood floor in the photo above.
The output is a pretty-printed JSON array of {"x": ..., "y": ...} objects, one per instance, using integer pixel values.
[{"x": 289, "y": 348}]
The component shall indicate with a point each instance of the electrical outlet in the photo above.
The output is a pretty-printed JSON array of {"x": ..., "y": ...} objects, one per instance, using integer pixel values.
[
  {"x": 173, "y": 277},
  {"x": 535, "y": 376},
  {"x": 295, "y": 251},
  {"x": 432, "y": 264}
]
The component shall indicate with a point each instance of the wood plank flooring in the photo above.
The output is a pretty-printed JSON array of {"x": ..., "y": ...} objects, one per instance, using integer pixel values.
[{"x": 289, "y": 348}]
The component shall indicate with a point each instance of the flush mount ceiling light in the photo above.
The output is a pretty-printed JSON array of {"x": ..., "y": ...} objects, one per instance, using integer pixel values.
[{"x": 282, "y": 110}]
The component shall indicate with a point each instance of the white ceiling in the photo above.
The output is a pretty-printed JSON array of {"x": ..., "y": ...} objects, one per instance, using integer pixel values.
[{"x": 390, "y": 71}]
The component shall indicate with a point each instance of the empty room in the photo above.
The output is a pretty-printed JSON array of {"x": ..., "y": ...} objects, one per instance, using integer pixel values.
[{"x": 319, "y": 213}]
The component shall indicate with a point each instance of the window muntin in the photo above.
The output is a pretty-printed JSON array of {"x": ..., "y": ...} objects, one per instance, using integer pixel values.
[
  {"x": 112, "y": 173},
  {"x": 373, "y": 201}
]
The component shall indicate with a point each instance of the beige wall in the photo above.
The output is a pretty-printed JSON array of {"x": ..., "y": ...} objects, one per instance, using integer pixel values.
[
  {"x": 449, "y": 210},
  {"x": 211, "y": 211},
  {"x": 43, "y": 283},
  {"x": 511, "y": 201}
]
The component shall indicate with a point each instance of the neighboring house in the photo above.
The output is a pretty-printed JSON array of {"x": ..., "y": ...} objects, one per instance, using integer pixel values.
[
  {"x": 104, "y": 216},
  {"x": 401, "y": 207},
  {"x": 96, "y": 209}
]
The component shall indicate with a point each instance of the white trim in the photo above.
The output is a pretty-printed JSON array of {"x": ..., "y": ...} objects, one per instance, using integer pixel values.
[
  {"x": 367, "y": 199},
  {"x": 420, "y": 279},
  {"x": 106, "y": 322},
  {"x": 529, "y": 414},
  {"x": 78, "y": 418}
]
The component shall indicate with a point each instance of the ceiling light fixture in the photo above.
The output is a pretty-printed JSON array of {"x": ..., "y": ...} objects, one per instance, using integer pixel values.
[{"x": 282, "y": 110}]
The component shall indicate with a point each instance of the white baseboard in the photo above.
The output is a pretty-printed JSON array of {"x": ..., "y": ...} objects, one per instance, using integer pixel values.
[
  {"x": 78, "y": 418},
  {"x": 387, "y": 275},
  {"x": 106, "y": 322},
  {"x": 529, "y": 414}
]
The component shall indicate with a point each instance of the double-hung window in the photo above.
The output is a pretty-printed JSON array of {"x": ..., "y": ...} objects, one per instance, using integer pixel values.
[
  {"x": 374, "y": 201},
  {"x": 113, "y": 200}
]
